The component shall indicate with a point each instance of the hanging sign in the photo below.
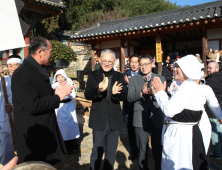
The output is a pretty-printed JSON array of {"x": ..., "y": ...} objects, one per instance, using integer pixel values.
[{"x": 158, "y": 50}]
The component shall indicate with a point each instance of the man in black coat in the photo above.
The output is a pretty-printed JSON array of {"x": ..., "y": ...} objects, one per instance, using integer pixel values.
[
  {"x": 105, "y": 115},
  {"x": 167, "y": 72},
  {"x": 214, "y": 80},
  {"x": 128, "y": 107},
  {"x": 37, "y": 135}
]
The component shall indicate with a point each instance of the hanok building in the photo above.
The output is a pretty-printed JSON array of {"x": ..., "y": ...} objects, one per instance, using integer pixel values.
[
  {"x": 33, "y": 12},
  {"x": 197, "y": 27}
]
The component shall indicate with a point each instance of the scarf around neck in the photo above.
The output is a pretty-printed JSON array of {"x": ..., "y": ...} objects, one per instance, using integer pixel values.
[{"x": 41, "y": 69}]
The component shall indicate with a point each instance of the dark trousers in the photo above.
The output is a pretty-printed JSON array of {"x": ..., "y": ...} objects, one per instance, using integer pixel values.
[
  {"x": 132, "y": 139},
  {"x": 107, "y": 141},
  {"x": 142, "y": 138},
  {"x": 156, "y": 135}
]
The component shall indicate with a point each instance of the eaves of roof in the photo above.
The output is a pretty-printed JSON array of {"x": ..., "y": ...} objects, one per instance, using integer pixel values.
[
  {"x": 194, "y": 13},
  {"x": 57, "y": 3}
]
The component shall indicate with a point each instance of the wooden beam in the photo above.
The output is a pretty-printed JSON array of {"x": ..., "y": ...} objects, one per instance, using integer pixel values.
[
  {"x": 154, "y": 29},
  {"x": 122, "y": 56},
  {"x": 171, "y": 27},
  {"x": 160, "y": 29},
  {"x": 191, "y": 24},
  {"x": 206, "y": 22},
  {"x": 148, "y": 30},
  {"x": 213, "y": 20},
  {"x": 144, "y": 31},
  {"x": 138, "y": 32},
  {"x": 129, "y": 33},
  {"x": 198, "y": 22},
  {"x": 178, "y": 26}
]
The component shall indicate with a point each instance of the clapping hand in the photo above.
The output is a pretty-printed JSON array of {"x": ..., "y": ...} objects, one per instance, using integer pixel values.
[
  {"x": 101, "y": 84},
  {"x": 157, "y": 85},
  {"x": 144, "y": 89},
  {"x": 64, "y": 90},
  {"x": 117, "y": 88},
  {"x": 126, "y": 78}
]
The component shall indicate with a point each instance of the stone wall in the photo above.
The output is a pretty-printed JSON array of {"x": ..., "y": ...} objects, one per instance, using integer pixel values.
[{"x": 83, "y": 61}]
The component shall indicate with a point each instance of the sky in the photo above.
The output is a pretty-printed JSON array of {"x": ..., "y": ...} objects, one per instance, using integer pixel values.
[{"x": 190, "y": 2}]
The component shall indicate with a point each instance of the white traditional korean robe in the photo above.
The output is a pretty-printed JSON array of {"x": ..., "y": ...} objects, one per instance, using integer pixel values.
[
  {"x": 6, "y": 145},
  {"x": 66, "y": 113},
  {"x": 177, "y": 138}
]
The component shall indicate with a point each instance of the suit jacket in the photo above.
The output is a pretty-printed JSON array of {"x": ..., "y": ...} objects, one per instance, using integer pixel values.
[
  {"x": 103, "y": 109},
  {"x": 37, "y": 135},
  {"x": 168, "y": 75},
  {"x": 127, "y": 106},
  {"x": 141, "y": 113}
]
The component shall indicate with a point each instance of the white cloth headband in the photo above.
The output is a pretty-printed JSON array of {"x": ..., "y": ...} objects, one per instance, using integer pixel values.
[{"x": 14, "y": 60}]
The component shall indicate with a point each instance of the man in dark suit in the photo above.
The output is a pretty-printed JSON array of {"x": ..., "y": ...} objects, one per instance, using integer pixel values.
[
  {"x": 147, "y": 116},
  {"x": 128, "y": 107},
  {"x": 105, "y": 115},
  {"x": 37, "y": 135},
  {"x": 167, "y": 72}
]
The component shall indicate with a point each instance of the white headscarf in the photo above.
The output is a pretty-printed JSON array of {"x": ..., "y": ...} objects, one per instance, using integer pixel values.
[
  {"x": 190, "y": 67},
  {"x": 61, "y": 72}
]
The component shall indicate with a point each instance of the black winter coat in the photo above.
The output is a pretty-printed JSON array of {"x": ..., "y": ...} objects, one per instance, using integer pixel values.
[
  {"x": 101, "y": 107},
  {"x": 214, "y": 80},
  {"x": 37, "y": 135}
]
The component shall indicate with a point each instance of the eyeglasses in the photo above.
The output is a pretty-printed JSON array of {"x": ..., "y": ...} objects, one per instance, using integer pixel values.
[
  {"x": 145, "y": 64},
  {"x": 109, "y": 62}
]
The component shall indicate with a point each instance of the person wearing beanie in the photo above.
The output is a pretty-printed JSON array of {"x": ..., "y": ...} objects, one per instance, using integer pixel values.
[{"x": 6, "y": 145}]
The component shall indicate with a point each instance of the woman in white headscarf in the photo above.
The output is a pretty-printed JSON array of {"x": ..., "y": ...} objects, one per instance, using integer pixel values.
[
  {"x": 66, "y": 115},
  {"x": 186, "y": 135}
]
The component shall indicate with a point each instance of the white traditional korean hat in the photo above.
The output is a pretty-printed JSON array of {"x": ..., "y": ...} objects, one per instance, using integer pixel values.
[{"x": 190, "y": 67}]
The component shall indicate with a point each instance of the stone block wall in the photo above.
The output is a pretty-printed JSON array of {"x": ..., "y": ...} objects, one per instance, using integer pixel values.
[{"x": 83, "y": 61}]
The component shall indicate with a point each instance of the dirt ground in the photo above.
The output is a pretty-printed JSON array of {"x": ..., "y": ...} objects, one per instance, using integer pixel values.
[{"x": 81, "y": 159}]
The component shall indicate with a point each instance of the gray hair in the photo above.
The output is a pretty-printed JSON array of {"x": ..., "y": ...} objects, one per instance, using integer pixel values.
[{"x": 108, "y": 51}]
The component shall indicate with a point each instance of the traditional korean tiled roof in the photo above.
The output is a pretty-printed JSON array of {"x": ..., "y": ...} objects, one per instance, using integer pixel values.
[
  {"x": 57, "y": 3},
  {"x": 193, "y": 13}
]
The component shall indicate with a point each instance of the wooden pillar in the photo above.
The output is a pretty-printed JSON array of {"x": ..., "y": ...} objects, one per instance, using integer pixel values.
[
  {"x": 27, "y": 42},
  {"x": 204, "y": 48},
  {"x": 122, "y": 57},
  {"x": 93, "y": 56},
  {"x": 128, "y": 48}
]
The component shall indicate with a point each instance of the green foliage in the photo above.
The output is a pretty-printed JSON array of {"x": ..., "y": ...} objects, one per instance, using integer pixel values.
[
  {"x": 84, "y": 13},
  {"x": 61, "y": 51},
  {"x": 51, "y": 24}
]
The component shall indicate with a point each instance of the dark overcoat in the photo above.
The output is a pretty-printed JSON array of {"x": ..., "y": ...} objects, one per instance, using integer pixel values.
[
  {"x": 103, "y": 109},
  {"x": 37, "y": 135}
]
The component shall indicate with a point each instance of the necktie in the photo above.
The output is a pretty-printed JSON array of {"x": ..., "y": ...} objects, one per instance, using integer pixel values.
[
  {"x": 134, "y": 74},
  {"x": 147, "y": 78}
]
